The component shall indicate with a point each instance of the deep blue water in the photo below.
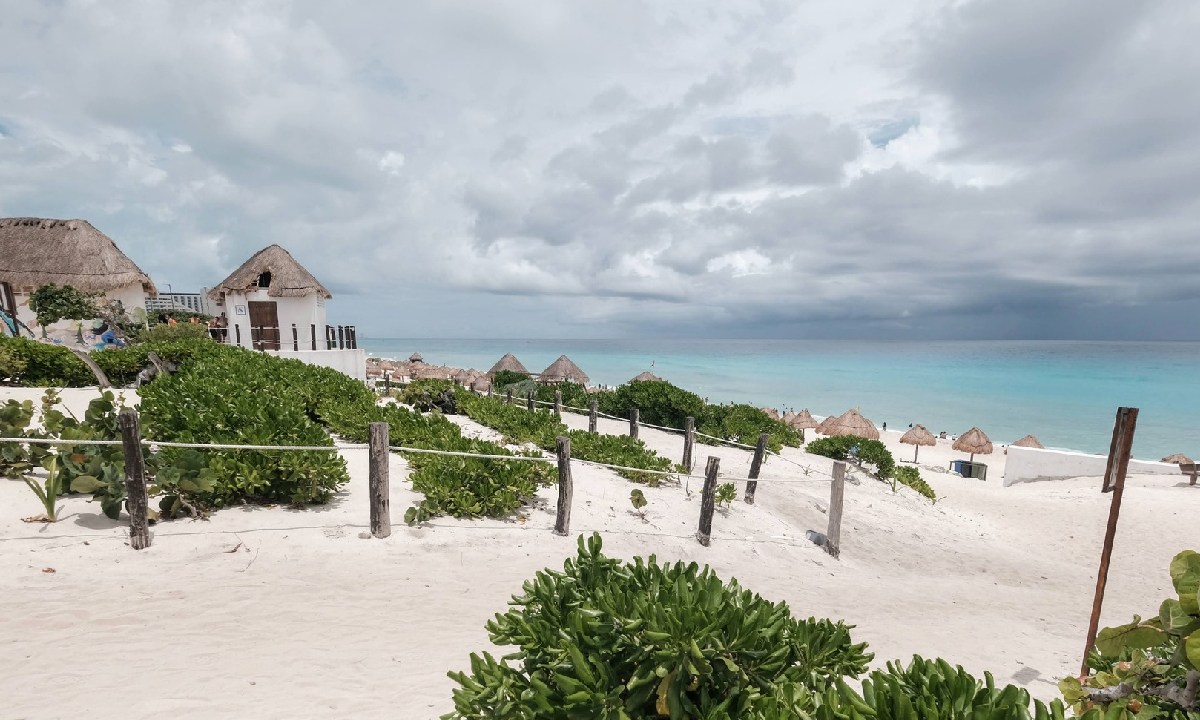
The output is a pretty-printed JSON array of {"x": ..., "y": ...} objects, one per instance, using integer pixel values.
[{"x": 1065, "y": 392}]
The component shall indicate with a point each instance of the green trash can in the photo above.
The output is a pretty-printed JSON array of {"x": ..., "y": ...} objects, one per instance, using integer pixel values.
[{"x": 978, "y": 471}]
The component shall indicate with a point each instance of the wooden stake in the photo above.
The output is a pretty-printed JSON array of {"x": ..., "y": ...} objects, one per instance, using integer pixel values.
[
  {"x": 529, "y": 401},
  {"x": 295, "y": 338},
  {"x": 837, "y": 491},
  {"x": 707, "y": 500},
  {"x": 135, "y": 479},
  {"x": 634, "y": 414},
  {"x": 387, "y": 383},
  {"x": 592, "y": 416},
  {"x": 1118, "y": 465},
  {"x": 508, "y": 397},
  {"x": 378, "y": 483},
  {"x": 558, "y": 403},
  {"x": 760, "y": 452},
  {"x": 562, "y": 523},
  {"x": 689, "y": 442}
]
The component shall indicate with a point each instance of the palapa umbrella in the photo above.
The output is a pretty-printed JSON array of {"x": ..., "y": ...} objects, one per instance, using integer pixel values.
[
  {"x": 974, "y": 441},
  {"x": 803, "y": 420},
  {"x": 416, "y": 358},
  {"x": 849, "y": 423},
  {"x": 1030, "y": 441},
  {"x": 918, "y": 436},
  {"x": 564, "y": 370},
  {"x": 771, "y": 413},
  {"x": 482, "y": 384},
  {"x": 462, "y": 377},
  {"x": 508, "y": 362},
  {"x": 1178, "y": 459},
  {"x": 645, "y": 377}
]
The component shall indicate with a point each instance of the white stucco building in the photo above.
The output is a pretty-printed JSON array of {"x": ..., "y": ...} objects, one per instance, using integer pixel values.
[{"x": 272, "y": 304}]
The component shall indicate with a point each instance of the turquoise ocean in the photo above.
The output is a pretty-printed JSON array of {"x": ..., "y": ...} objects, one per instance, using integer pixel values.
[{"x": 1065, "y": 392}]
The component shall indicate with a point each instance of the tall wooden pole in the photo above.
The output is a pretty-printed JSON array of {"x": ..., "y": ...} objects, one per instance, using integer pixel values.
[
  {"x": 378, "y": 484},
  {"x": 689, "y": 442},
  {"x": 529, "y": 401},
  {"x": 708, "y": 500},
  {"x": 760, "y": 452},
  {"x": 837, "y": 492},
  {"x": 562, "y": 522},
  {"x": 1118, "y": 465},
  {"x": 557, "y": 403},
  {"x": 135, "y": 479},
  {"x": 592, "y": 416},
  {"x": 634, "y": 416}
]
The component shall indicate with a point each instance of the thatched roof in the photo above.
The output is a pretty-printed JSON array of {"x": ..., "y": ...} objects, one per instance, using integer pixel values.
[
  {"x": 974, "y": 441},
  {"x": 1178, "y": 459},
  {"x": 288, "y": 277},
  {"x": 462, "y": 376},
  {"x": 771, "y": 413},
  {"x": 849, "y": 423},
  {"x": 1030, "y": 441},
  {"x": 645, "y": 377},
  {"x": 416, "y": 358},
  {"x": 510, "y": 363},
  {"x": 564, "y": 369},
  {"x": 35, "y": 252},
  {"x": 803, "y": 420},
  {"x": 482, "y": 384},
  {"x": 918, "y": 435}
]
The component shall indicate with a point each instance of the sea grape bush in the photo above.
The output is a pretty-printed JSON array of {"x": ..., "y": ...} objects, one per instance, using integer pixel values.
[
  {"x": 911, "y": 477},
  {"x": 743, "y": 424},
  {"x": 606, "y": 639},
  {"x": 840, "y": 447},
  {"x": 1148, "y": 668}
]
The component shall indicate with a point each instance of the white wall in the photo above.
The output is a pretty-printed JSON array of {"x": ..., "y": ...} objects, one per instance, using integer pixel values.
[
  {"x": 303, "y": 311},
  {"x": 350, "y": 362},
  {"x": 132, "y": 296},
  {"x": 1030, "y": 464}
]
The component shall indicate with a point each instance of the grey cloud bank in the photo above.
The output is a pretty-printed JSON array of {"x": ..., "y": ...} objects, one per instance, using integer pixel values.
[{"x": 928, "y": 169}]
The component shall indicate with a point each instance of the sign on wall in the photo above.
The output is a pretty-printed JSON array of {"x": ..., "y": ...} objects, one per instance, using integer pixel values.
[{"x": 240, "y": 309}]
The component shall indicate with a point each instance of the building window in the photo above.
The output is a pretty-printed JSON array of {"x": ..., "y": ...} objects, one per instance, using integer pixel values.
[{"x": 264, "y": 280}]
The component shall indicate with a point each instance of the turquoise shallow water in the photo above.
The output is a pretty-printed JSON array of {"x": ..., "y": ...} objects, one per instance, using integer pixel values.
[{"x": 1066, "y": 393}]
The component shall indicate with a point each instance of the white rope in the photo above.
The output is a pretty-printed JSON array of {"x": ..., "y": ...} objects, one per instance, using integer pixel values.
[
  {"x": 55, "y": 441},
  {"x": 454, "y": 453}
]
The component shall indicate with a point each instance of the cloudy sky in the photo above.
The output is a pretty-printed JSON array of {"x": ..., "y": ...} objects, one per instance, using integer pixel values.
[{"x": 530, "y": 168}]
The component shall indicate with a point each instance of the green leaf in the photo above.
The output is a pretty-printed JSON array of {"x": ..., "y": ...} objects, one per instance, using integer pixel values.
[
  {"x": 1174, "y": 618},
  {"x": 86, "y": 484},
  {"x": 1185, "y": 576},
  {"x": 1191, "y": 648},
  {"x": 1111, "y": 641}
]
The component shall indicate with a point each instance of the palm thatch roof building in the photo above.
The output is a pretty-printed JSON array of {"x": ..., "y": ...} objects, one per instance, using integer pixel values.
[
  {"x": 973, "y": 441},
  {"x": 803, "y": 420},
  {"x": 563, "y": 370},
  {"x": 510, "y": 363},
  {"x": 849, "y": 423},
  {"x": 35, "y": 252},
  {"x": 1030, "y": 441}
]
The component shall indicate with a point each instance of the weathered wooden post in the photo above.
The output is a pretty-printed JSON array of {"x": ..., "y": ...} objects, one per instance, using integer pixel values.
[
  {"x": 689, "y": 441},
  {"x": 237, "y": 333},
  {"x": 295, "y": 338},
  {"x": 837, "y": 492},
  {"x": 557, "y": 403},
  {"x": 1114, "y": 479},
  {"x": 313, "y": 327},
  {"x": 634, "y": 416},
  {"x": 592, "y": 416},
  {"x": 708, "y": 500},
  {"x": 508, "y": 397},
  {"x": 562, "y": 523},
  {"x": 760, "y": 452},
  {"x": 341, "y": 337},
  {"x": 379, "y": 486},
  {"x": 529, "y": 401},
  {"x": 135, "y": 479},
  {"x": 387, "y": 383}
]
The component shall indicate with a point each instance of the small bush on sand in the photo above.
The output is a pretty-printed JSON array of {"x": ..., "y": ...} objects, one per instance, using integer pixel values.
[{"x": 912, "y": 478}]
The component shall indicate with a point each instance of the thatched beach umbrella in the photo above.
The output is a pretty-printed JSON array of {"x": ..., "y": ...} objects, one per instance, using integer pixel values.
[
  {"x": 416, "y": 358},
  {"x": 803, "y": 420},
  {"x": 849, "y": 423},
  {"x": 918, "y": 436},
  {"x": 1178, "y": 459},
  {"x": 563, "y": 370},
  {"x": 1030, "y": 441},
  {"x": 771, "y": 413},
  {"x": 482, "y": 384},
  {"x": 510, "y": 363},
  {"x": 974, "y": 441},
  {"x": 645, "y": 377},
  {"x": 462, "y": 377}
]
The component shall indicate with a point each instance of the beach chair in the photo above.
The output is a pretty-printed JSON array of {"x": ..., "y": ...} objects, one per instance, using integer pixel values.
[{"x": 1192, "y": 469}]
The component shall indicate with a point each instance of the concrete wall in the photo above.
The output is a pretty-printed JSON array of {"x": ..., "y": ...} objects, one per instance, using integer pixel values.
[
  {"x": 303, "y": 311},
  {"x": 131, "y": 296},
  {"x": 349, "y": 362},
  {"x": 1030, "y": 464}
]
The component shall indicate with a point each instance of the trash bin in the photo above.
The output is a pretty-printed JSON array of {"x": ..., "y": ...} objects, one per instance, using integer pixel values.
[
  {"x": 962, "y": 467},
  {"x": 977, "y": 471}
]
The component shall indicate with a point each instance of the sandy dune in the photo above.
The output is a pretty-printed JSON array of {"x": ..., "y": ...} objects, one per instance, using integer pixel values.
[{"x": 274, "y": 613}]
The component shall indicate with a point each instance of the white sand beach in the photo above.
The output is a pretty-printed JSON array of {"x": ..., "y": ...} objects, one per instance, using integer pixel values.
[{"x": 278, "y": 613}]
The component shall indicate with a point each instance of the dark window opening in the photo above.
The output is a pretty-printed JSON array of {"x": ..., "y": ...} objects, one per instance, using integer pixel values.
[{"x": 264, "y": 280}]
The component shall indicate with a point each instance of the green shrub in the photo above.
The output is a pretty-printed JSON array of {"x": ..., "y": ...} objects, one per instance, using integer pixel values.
[
  {"x": 743, "y": 424},
  {"x": 620, "y": 450},
  {"x": 606, "y": 639},
  {"x": 12, "y": 364},
  {"x": 164, "y": 332},
  {"x": 840, "y": 447},
  {"x": 658, "y": 403},
  {"x": 573, "y": 394},
  {"x": 504, "y": 378},
  {"x": 417, "y": 391},
  {"x": 45, "y": 365},
  {"x": 912, "y": 478}
]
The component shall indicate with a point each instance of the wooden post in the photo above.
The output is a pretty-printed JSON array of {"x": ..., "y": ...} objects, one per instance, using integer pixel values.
[
  {"x": 1118, "y": 465},
  {"x": 379, "y": 486},
  {"x": 707, "y": 500},
  {"x": 295, "y": 338},
  {"x": 592, "y": 416},
  {"x": 387, "y": 383},
  {"x": 557, "y": 403},
  {"x": 562, "y": 523},
  {"x": 313, "y": 327},
  {"x": 237, "y": 333},
  {"x": 529, "y": 401},
  {"x": 837, "y": 492},
  {"x": 508, "y": 397},
  {"x": 341, "y": 338},
  {"x": 135, "y": 479},
  {"x": 760, "y": 452},
  {"x": 353, "y": 343},
  {"x": 689, "y": 442},
  {"x": 634, "y": 415}
]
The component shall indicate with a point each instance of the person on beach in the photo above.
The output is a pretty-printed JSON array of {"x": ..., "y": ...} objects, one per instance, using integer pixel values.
[{"x": 885, "y": 426}]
